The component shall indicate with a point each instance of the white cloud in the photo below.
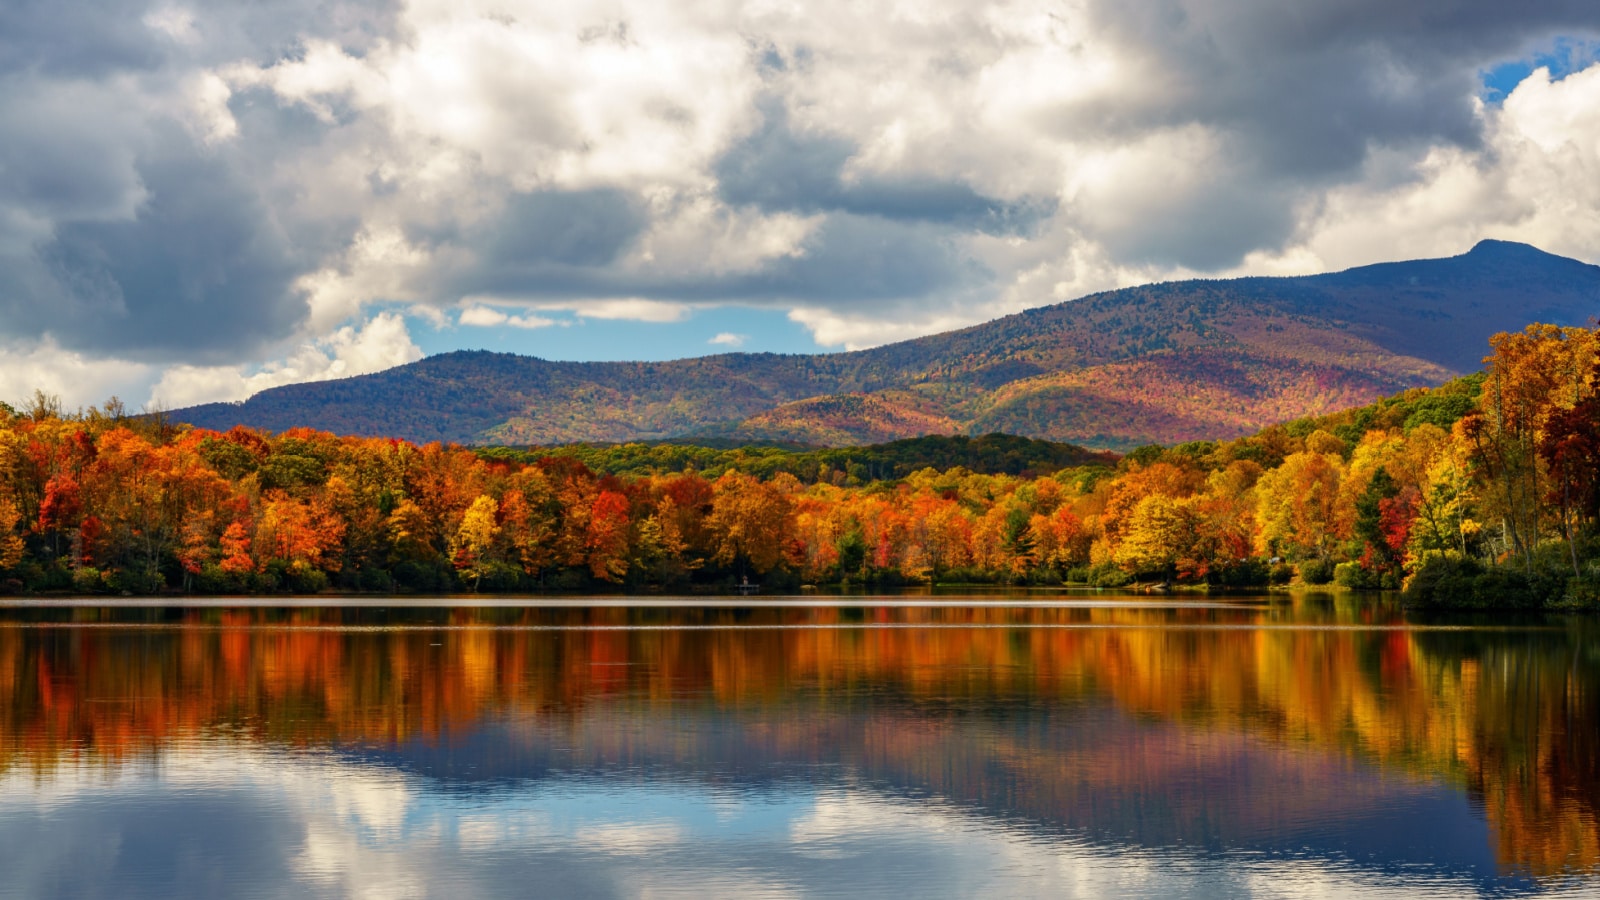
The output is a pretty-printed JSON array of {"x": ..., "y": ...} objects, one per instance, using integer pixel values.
[
  {"x": 729, "y": 339},
  {"x": 482, "y": 317},
  {"x": 832, "y": 329},
  {"x": 636, "y": 309},
  {"x": 79, "y": 380},
  {"x": 381, "y": 343},
  {"x": 433, "y": 315},
  {"x": 488, "y": 317},
  {"x": 209, "y": 115},
  {"x": 540, "y": 93},
  {"x": 380, "y": 263}
]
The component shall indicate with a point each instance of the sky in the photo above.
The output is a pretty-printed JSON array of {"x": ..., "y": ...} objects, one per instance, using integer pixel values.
[{"x": 201, "y": 201}]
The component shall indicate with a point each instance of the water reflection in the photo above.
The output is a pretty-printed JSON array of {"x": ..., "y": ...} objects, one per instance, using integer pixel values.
[{"x": 1207, "y": 750}]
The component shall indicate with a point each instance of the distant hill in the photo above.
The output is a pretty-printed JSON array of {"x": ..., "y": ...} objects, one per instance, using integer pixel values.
[
  {"x": 838, "y": 420},
  {"x": 1161, "y": 363},
  {"x": 989, "y": 454}
]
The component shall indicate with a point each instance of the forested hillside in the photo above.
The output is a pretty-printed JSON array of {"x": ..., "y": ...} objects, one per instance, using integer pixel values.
[
  {"x": 990, "y": 454},
  {"x": 1164, "y": 363},
  {"x": 1485, "y": 491}
]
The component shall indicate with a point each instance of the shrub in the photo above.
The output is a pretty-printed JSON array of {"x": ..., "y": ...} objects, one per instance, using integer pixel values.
[
  {"x": 378, "y": 580},
  {"x": 1351, "y": 575},
  {"x": 1281, "y": 573},
  {"x": 571, "y": 580},
  {"x": 1582, "y": 593},
  {"x": 412, "y": 575},
  {"x": 1049, "y": 576},
  {"x": 31, "y": 574},
  {"x": 1108, "y": 575},
  {"x": 265, "y": 581},
  {"x": 131, "y": 581},
  {"x": 211, "y": 579},
  {"x": 1448, "y": 582},
  {"x": 498, "y": 577},
  {"x": 86, "y": 580},
  {"x": 1245, "y": 573},
  {"x": 306, "y": 580},
  {"x": 1498, "y": 588},
  {"x": 1316, "y": 571}
]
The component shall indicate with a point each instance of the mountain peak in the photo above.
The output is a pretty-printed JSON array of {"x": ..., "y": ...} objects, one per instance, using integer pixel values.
[
  {"x": 1516, "y": 260},
  {"x": 1491, "y": 247}
]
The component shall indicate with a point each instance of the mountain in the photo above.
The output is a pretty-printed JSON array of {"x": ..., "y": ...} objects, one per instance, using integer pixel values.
[{"x": 1160, "y": 363}]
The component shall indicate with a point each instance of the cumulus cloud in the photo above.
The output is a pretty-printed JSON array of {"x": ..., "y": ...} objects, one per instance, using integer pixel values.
[
  {"x": 489, "y": 317},
  {"x": 185, "y": 186},
  {"x": 729, "y": 339},
  {"x": 79, "y": 380},
  {"x": 381, "y": 343}
]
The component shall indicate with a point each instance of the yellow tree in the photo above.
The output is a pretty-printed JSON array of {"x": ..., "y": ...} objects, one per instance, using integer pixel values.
[
  {"x": 410, "y": 535},
  {"x": 11, "y": 546},
  {"x": 1446, "y": 513},
  {"x": 1158, "y": 533},
  {"x": 989, "y": 552},
  {"x": 475, "y": 540},
  {"x": 1130, "y": 488},
  {"x": 751, "y": 521},
  {"x": 1297, "y": 505},
  {"x": 528, "y": 520},
  {"x": 659, "y": 547}
]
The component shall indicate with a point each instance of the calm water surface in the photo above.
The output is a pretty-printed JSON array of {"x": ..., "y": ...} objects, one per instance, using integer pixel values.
[{"x": 1285, "y": 748}]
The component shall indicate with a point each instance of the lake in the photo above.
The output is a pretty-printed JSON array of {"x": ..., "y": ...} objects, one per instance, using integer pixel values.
[{"x": 1030, "y": 745}]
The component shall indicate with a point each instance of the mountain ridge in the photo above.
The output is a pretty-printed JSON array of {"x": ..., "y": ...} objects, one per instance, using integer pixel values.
[{"x": 1201, "y": 358}]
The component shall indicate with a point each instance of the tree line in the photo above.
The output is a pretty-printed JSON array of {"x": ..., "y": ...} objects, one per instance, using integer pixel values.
[
  {"x": 1483, "y": 492},
  {"x": 991, "y": 454}
]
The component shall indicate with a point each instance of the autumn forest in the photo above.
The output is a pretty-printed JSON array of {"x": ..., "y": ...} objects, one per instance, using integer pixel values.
[{"x": 1483, "y": 492}]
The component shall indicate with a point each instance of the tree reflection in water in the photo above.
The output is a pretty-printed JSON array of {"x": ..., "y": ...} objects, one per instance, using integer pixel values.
[{"x": 1147, "y": 723}]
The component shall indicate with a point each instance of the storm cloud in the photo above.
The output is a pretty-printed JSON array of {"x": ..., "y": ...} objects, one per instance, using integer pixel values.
[{"x": 213, "y": 187}]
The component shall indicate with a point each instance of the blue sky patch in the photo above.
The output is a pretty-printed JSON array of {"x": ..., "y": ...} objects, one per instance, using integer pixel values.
[
  {"x": 1562, "y": 57},
  {"x": 577, "y": 338}
]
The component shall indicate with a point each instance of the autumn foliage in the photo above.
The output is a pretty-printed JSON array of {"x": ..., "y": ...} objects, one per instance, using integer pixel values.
[{"x": 1490, "y": 477}]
